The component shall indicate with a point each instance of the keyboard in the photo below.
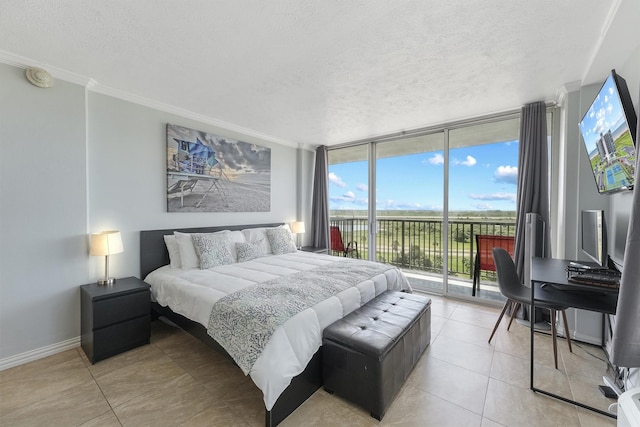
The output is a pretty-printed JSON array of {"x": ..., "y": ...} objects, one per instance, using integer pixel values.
[{"x": 595, "y": 281}]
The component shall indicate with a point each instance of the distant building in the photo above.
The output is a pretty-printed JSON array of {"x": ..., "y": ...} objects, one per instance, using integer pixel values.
[{"x": 606, "y": 147}]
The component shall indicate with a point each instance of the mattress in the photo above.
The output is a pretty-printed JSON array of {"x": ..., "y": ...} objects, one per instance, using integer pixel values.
[{"x": 193, "y": 292}]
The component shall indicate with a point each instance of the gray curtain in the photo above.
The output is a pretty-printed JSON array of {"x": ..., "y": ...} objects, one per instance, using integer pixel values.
[
  {"x": 625, "y": 351},
  {"x": 533, "y": 182},
  {"x": 320, "y": 200},
  {"x": 533, "y": 178}
]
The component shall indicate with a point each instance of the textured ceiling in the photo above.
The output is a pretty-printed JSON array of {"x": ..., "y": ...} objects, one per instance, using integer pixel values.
[{"x": 317, "y": 72}]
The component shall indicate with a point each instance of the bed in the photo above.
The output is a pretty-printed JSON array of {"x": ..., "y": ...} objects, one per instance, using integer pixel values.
[{"x": 286, "y": 365}]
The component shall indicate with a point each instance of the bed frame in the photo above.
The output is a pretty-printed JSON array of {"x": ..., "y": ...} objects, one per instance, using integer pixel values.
[{"x": 153, "y": 254}]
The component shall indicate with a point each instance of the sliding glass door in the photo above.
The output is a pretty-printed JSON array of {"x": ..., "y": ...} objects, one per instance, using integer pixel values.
[
  {"x": 483, "y": 177},
  {"x": 409, "y": 194},
  {"x": 349, "y": 200},
  {"x": 420, "y": 202}
]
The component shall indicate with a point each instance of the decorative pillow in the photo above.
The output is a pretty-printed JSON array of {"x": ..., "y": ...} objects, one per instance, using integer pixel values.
[
  {"x": 235, "y": 237},
  {"x": 280, "y": 241},
  {"x": 248, "y": 251},
  {"x": 188, "y": 255},
  {"x": 258, "y": 234},
  {"x": 213, "y": 249},
  {"x": 174, "y": 251}
]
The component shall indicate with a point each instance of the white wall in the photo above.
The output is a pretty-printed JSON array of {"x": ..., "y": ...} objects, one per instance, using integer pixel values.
[
  {"x": 580, "y": 186},
  {"x": 127, "y": 178},
  {"x": 620, "y": 204},
  {"x": 306, "y": 165},
  {"x": 75, "y": 162},
  {"x": 43, "y": 207},
  {"x": 579, "y": 181}
]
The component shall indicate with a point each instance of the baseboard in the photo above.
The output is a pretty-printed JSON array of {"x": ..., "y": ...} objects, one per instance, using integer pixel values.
[
  {"x": 39, "y": 353},
  {"x": 589, "y": 339},
  {"x": 580, "y": 337}
]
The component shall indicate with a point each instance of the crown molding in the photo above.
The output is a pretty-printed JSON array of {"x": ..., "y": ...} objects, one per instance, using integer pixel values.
[
  {"x": 140, "y": 100},
  {"x": 91, "y": 85},
  {"x": 59, "y": 73},
  {"x": 566, "y": 89}
]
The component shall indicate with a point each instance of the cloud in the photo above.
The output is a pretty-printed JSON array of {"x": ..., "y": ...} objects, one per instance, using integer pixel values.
[
  {"x": 470, "y": 161},
  {"x": 411, "y": 206},
  {"x": 507, "y": 174},
  {"x": 335, "y": 179},
  {"x": 483, "y": 206},
  {"x": 494, "y": 196},
  {"x": 363, "y": 187},
  {"x": 386, "y": 204},
  {"x": 390, "y": 205},
  {"x": 238, "y": 156},
  {"x": 437, "y": 159},
  {"x": 348, "y": 199}
]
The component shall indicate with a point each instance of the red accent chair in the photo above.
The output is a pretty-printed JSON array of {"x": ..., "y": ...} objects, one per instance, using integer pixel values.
[
  {"x": 338, "y": 246},
  {"x": 484, "y": 254}
]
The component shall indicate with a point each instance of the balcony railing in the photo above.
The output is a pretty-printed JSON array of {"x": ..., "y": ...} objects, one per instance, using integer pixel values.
[{"x": 416, "y": 244}]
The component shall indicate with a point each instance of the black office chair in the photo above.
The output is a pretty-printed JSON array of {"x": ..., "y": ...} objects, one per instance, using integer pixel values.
[{"x": 516, "y": 293}]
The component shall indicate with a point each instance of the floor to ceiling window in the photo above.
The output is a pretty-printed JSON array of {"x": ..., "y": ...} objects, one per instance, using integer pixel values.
[
  {"x": 349, "y": 199},
  {"x": 483, "y": 178},
  {"x": 419, "y": 201},
  {"x": 409, "y": 195}
]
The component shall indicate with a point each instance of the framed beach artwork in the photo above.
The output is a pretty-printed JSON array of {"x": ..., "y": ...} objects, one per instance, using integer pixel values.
[{"x": 211, "y": 173}]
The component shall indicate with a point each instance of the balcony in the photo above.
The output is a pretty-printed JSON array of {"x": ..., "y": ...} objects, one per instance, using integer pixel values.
[{"x": 415, "y": 246}]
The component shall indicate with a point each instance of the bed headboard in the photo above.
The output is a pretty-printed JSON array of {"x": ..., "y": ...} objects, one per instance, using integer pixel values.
[{"x": 153, "y": 251}]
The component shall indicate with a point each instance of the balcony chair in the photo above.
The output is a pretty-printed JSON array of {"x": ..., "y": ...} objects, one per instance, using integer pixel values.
[
  {"x": 338, "y": 246},
  {"x": 484, "y": 258},
  {"x": 516, "y": 293}
]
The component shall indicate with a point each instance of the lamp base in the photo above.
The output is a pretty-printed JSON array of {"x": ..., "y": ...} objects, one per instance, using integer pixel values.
[{"x": 107, "y": 281}]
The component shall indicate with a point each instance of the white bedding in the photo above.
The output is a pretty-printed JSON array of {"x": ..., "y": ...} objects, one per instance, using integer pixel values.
[{"x": 193, "y": 292}]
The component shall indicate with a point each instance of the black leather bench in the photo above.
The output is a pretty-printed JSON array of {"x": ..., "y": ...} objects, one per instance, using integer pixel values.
[{"x": 368, "y": 355}]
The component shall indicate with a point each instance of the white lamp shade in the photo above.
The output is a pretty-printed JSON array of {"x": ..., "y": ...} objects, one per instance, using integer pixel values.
[
  {"x": 106, "y": 243},
  {"x": 297, "y": 227}
]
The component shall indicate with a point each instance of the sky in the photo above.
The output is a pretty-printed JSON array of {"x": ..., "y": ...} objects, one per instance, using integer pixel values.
[{"x": 481, "y": 177}]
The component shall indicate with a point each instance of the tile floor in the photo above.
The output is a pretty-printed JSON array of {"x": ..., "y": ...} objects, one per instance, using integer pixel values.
[{"x": 178, "y": 381}]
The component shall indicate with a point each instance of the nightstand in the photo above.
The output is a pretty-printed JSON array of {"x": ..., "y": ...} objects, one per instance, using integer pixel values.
[
  {"x": 114, "y": 318},
  {"x": 314, "y": 250}
]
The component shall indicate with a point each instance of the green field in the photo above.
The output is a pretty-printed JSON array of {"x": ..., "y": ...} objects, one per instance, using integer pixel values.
[{"x": 413, "y": 239}]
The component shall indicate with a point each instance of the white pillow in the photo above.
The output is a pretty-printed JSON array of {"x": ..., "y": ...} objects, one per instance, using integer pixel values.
[
  {"x": 258, "y": 235},
  {"x": 281, "y": 241},
  {"x": 285, "y": 226},
  {"x": 235, "y": 237},
  {"x": 254, "y": 235},
  {"x": 174, "y": 252},
  {"x": 212, "y": 249},
  {"x": 188, "y": 255}
]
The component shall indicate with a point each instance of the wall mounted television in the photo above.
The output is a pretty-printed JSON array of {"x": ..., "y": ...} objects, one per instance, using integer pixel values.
[{"x": 609, "y": 133}]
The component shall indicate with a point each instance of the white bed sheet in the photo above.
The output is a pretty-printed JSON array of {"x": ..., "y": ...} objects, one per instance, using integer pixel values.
[{"x": 193, "y": 292}]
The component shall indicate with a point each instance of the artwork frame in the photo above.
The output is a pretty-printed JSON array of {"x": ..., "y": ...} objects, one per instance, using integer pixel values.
[{"x": 212, "y": 173}]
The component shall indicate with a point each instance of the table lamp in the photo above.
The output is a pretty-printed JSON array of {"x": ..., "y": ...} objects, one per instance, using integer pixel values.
[
  {"x": 106, "y": 243},
  {"x": 297, "y": 228}
]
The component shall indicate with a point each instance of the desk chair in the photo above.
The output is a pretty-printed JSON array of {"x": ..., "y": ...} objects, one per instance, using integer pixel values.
[
  {"x": 484, "y": 257},
  {"x": 516, "y": 293},
  {"x": 337, "y": 244}
]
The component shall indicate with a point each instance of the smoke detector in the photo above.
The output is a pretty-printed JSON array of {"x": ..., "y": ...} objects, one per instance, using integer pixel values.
[{"x": 39, "y": 77}]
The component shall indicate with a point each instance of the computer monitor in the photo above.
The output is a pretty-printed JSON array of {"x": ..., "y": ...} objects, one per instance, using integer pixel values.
[{"x": 594, "y": 236}]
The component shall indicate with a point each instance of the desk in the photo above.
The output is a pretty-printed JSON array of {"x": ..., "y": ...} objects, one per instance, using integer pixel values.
[{"x": 548, "y": 271}]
